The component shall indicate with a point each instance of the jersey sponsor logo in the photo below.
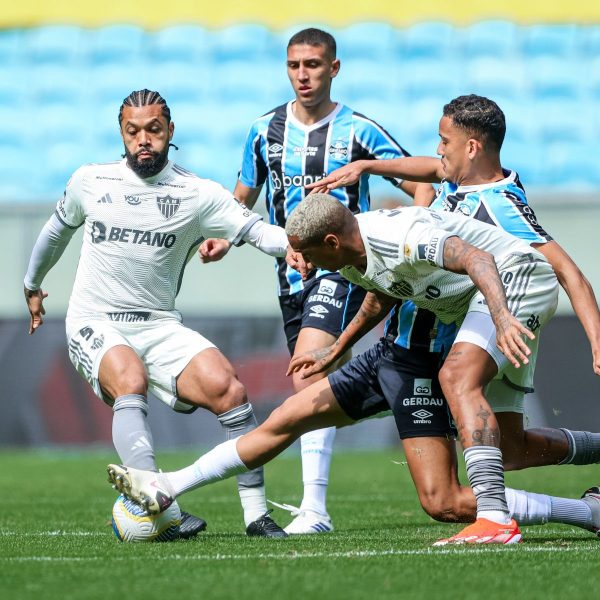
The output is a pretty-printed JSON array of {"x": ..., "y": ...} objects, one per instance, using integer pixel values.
[
  {"x": 402, "y": 289},
  {"x": 129, "y": 317},
  {"x": 109, "y": 178},
  {"x": 422, "y": 417},
  {"x": 293, "y": 181},
  {"x": 61, "y": 206},
  {"x": 318, "y": 311},
  {"x": 533, "y": 322},
  {"x": 98, "y": 342},
  {"x": 422, "y": 401},
  {"x": 168, "y": 184},
  {"x": 327, "y": 287},
  {"x": 168, "y": 205},
  {"x": 325, "y": 300},
  {"x": 464, "y": 209},
  {"x": 131, "y": 236},
  {"x": 305, "y": 150},
  {"x": 98, "y": 232},
  {"x": 432, "y": 250},
  {"x": 275, "y": 150},
  {"x": 133, "y": 200},
  {"x": 339, "y": 149},
  {"x": 422, "y": 386},
  {"x": 106, "y": 199}
]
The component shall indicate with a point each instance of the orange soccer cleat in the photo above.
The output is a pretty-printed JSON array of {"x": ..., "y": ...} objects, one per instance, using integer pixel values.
[{"x": 485, "y": 532}]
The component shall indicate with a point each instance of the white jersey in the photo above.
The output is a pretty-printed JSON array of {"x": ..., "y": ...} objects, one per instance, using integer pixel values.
[
  {"x": 140, "y": 234},
  {"x": 405, "y": 249}
]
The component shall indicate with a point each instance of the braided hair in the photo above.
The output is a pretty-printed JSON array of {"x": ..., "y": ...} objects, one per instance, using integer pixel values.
[{"x": 145, "y": 98}]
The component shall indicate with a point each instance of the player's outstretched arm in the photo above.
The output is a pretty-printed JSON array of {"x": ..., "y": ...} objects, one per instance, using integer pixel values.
[
  {"x": 373, "y": 309},
  {"x": 461, "y": 257},
  {"x": 580, "y": 294}
]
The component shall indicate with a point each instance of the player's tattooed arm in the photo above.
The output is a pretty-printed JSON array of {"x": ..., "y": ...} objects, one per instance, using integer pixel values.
[
  {"x": 461, "y": 257},
  {"x": 374, "y": 308}
]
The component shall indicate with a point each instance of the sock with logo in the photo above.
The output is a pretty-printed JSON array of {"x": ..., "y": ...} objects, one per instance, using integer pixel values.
[
  {"x": 131, "y": 434},
  {"x": 251, "y": 484},
  {"x": 584, "y": 447},
  {"x": 316, "y": 449}
]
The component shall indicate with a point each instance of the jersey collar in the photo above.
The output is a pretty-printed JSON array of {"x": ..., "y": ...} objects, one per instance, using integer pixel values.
[
  {"x": 332, "y": 115},
  {"x": 509, "y": 177}
]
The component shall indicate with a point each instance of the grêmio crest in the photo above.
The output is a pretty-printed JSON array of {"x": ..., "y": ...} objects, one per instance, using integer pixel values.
[{"x": 168, "y": 205}]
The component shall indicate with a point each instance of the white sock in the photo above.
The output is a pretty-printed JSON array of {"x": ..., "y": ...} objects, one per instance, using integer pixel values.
[
  {"x": 221, "y": 462},
  {"x": 253, "y": 503},
  {"x": 316, "y": 459},
  {"x": 528, "y": 508}
]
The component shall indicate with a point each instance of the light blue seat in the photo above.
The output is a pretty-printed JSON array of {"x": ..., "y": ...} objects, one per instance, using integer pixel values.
[
  {"x": 420, "y": 119},
  {"x": 550, "y": 40},
  {"x": 53, "y": 83},
  {"x": 237, "y": 80},
  {"x": 60, "y": 44},
  {"x": 496, "y": 38},
  {"x": 556, "y": 77},
  {"x": 14, "y": 86},
  {"x": 495, "y": 78},
  {"x": 182, "y": 43},
  {"x": 115, "y": 44},
  {"x": 245, "y": 41},
  {"x": 361, "y": 79},
  {"x": 11, "y": 41},
  {"x": 109, "y": 84},
  {"x": 190, "y": 125},
  {"x": 180, "y": 82},
  {"x": 20, "y": 182},
  {"x": 573, "y": 166},
  {"x": 367, "y": 41},
  {"x": 561, "y": 121},
  {"x": 429, "y": 40},
  {"x": 526, "y": 158},
  {"x": 428, "y": 78}
]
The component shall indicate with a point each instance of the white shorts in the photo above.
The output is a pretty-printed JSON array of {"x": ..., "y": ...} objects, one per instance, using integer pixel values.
[
  {"x": 164, "y": 345},
  {"x": 532, "y": 294}
]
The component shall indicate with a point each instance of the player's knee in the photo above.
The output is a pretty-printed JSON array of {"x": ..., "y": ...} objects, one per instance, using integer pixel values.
[
  {"x": 441, "y": 505},
  {"x": 286, "y": 419},
  {"x": 227, "y": 393},
  {"x": 127, "y": 381}
]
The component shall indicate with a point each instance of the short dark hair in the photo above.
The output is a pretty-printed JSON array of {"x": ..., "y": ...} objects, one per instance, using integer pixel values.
[
  {"x": 479, "y": 117},
  {"x": 145, "y": 98},
  {"x": 314, "y": 37}
]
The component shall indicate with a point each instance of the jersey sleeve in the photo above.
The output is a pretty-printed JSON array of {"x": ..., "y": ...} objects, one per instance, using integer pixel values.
[
  {"x": 378, "y": 143},
  {"x": 424, "y": 244},
  {"x": 516, "y": 216},
  {"x": 221, "y": 216},
  {"x": 70, "y": 209},
  {"x": 254, "y": 167}
]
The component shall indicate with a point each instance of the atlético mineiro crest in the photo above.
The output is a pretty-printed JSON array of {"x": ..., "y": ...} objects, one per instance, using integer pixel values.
[{"x": 168, "y": 205}]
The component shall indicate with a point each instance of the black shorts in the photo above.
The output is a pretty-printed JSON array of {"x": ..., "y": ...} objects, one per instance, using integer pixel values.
[
  {"x": 388, "y": 377},
  {"x": 328, "y": 303}
]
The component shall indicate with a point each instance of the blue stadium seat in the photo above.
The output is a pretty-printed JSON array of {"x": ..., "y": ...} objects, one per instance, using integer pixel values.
[
  {"x": 242, "y": 42},
  {"x": 561, "y": 121},
  {"x": 364, "y": 79},
  {"x": 428, "y": 78},
  {"x": 429, "y": 40},
  {"x": 498, "y": 39},
  {"x": 525, "y": 157},
  {"x": 573, "y": 166},
  {"x": 591, "y": 83},
  {"x": 60, "y": 44},
  {"x": 555, "y": 77},
  {"x": 497, "y": 78},
  {"x": 11, "y": 41},
  {"x": 180, "y": 82},
  {"x": 366, "y": 41},
  {"x": 57, "y": 84},
  {"x": 182, "y": 43},
  {"x": 191, "y": 125},
  {"x": 115, "y": 44},
  {"x": 61, "y": 160},
  {"x": 19, "y": 181},
  {"x": 235, "y": 80},
  {"x": 109, "y": 84},
  {"x": 420, "y": 120},
  {"x": 551, "y": 40},
  {"x": 14, "y": 86}
]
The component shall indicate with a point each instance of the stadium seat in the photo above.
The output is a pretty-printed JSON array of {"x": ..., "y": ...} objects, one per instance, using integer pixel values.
[
  {"x": 495, "y": 77},
  {"x": 191, "y": 125},
  {"x": 572, "y": 165},
  {"x": 561, "y": 121},
  {"x": 11, "y": 41},
  {"x": 234, "y": 80},
  {"x": 498, "y": 39},
  {"x": 109, "y": 84},
  {"x": 364, "y": 79},
  {"x": 243, "y": 42},
  {"x": 59, "y": 44},
  {"x": 428, "y": 40},
  {"x": 57, "y": 84},
  {"x": 428, "y": 78},
  {"x": 14, "y": 86},
  {"x": 555, "y": 77},
  {"x": 525, "y": 157},
  {"x": 367, "y": 41},
  {"x": 560, "y": 40},
  {"x": 115, "y": 44},
  {"x": 180, "y": 82},
  {"x": 180, "y": 43}
]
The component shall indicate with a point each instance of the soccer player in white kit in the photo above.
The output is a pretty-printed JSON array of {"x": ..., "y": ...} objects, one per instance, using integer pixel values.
[
  {"x": 464, "y": 271},
  {"x": 144, "y": 218}
]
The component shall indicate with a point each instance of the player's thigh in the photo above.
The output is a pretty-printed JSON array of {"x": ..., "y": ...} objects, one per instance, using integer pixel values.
[
  {"x": 209, "y": 380},
  {"x": 122, "y": 372},
  {"x": 89, "y": 342}
]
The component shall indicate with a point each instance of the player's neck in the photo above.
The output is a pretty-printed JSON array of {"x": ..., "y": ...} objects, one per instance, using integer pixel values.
[
  {"x": 309, "y": 115},
  {"x": 488, "y": 172}
]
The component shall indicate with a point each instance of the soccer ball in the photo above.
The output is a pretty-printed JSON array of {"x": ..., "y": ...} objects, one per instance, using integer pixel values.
[{"x": 131, "y": 523}]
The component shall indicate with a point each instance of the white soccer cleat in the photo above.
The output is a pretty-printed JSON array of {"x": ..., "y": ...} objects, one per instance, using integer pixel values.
[
  {"x": 147, "y": 488},
  {"x": 592, "y": 498},
  {"x": 306, "y": 522}
]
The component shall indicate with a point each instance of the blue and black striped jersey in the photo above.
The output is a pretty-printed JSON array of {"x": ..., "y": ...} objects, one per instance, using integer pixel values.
[
  {"x": 287, "y": 155},
  {"x": 501, "y": 203}
]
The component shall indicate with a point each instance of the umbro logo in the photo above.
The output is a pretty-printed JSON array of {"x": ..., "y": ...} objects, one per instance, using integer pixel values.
[
  {"x": 106, "y": 199},
  {"x": 275, "y": 150},
  {"x": 318, "y": 311},
  {"x": 422, "y": 417}
]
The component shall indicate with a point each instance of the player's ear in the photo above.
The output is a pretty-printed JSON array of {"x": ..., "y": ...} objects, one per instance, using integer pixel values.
[
  {"x": 171, "y": 130},
  {"x": 473, "y": 148},
  {"x": 331, "y": 241},
  {"x": 335, "y": 67}
]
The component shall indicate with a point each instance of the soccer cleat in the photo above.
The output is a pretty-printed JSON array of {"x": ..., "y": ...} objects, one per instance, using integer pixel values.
[
  {"x": 592, "y": 498},
  {"x": 485, "y": 532},
  {"x": 143, "y": 487},
  {"x": 306, "y": 522},
  {"x": 265, "y": 527},
  {"x": 190, "y": 526}
]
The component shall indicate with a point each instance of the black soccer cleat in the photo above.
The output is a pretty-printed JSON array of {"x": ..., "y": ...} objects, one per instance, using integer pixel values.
[
  {"x": 265, "y": 527},
  {"x": 190, "y": 526}
]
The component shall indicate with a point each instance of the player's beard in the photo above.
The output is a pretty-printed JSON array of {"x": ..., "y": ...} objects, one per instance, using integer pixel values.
[{"x": 150, "y": 166}]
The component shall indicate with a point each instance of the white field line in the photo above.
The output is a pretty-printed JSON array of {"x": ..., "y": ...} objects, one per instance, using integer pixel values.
[{"x": 292, "y": 556}]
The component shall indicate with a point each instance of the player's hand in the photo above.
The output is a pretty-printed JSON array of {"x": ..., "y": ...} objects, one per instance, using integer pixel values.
[
  {"x": 510, "y": 335},
  {"x": 35, "y": 304},
  {"x": 213, "y": 249},
  {"x": 296, "y": 261},
  {"x": 346, "y": 175},
  {"x": 596, "y": 360},
  {"x": 310, "y": 363}
]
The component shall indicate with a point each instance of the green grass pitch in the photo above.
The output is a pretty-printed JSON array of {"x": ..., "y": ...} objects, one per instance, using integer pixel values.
[{"x": 55, "y": 541}]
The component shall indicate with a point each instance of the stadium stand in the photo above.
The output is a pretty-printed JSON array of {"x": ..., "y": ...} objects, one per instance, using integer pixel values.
[{"x": 545, "y": 77}]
